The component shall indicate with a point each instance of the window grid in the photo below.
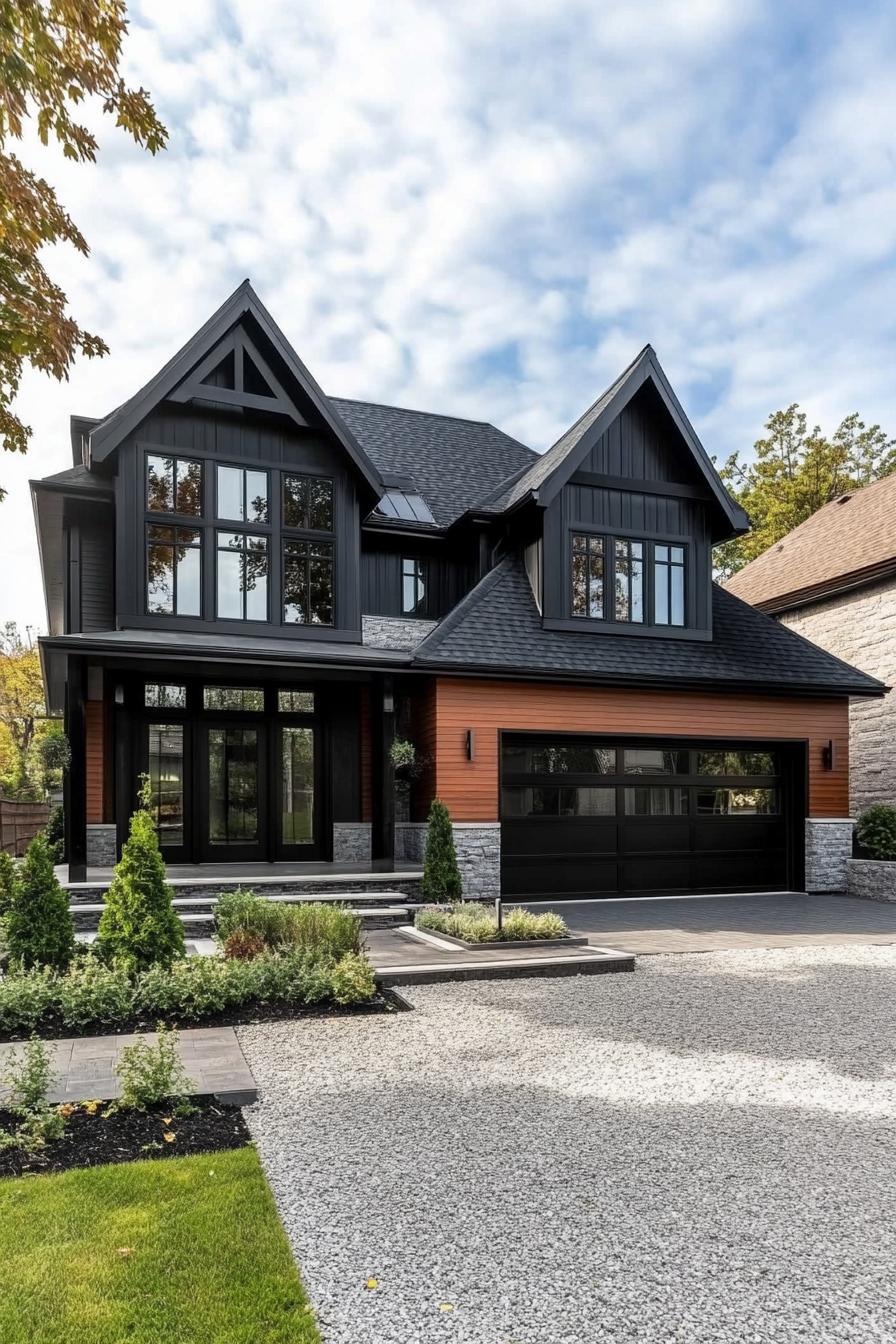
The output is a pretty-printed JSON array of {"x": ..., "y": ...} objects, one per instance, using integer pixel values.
[
  {"x": 242, "y": 494},
  {"x": 668, "y": 584},
  {"x": 413, "y": 587},
  {"x": 308, "y": 503},
  {"x": 307, "y": 582},
  {"x": 173, "y": 571},
  {"x": 629, "y": 580},
  {"x": 242, "y": 576},
  {"x": 173, "y": 485},
  {"x": 587, "y": 575}
]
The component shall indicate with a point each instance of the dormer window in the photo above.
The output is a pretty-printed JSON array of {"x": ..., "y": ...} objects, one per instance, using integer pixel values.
[
  {"x": 668, "y": 584},
  {"x": 628, "y": 580},
  {"x": 587, "y": 575},
  {"x": 622, "y": 581}
]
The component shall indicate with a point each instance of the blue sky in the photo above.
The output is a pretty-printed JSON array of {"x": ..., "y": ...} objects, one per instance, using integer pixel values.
[{"x": 487, "y": 208}]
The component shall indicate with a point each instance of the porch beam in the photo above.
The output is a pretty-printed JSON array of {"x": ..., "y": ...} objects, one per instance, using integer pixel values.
[
  {"x": 382, "y": 726},
  {"x": 76, "y": 776}
]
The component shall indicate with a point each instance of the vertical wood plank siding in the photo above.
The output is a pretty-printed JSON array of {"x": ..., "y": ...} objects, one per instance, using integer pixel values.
[
  {"x": 470, "y": 788},
  {"x": 95, "y": 761}
]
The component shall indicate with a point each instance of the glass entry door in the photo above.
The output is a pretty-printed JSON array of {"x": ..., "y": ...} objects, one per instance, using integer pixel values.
[{"x": 232, "y": 765}]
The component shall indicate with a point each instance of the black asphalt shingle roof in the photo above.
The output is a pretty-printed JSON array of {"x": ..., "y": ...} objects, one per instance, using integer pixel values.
[
  {"x": 454, "y": 463},
  {"x": 497, "y": 627}
]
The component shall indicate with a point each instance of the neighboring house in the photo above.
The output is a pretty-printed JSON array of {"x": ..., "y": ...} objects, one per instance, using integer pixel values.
[
  {"x": 833, "y": 580},
  {"x": 250, "y": 584}
]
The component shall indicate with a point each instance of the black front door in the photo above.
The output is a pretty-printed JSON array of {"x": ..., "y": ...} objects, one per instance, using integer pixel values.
[
  {"x": 296, "y": 790},
  {"x": 232, "y": 766}
]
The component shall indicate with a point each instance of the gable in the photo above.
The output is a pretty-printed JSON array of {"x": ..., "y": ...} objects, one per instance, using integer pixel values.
[{"x": 241, "y": 361}]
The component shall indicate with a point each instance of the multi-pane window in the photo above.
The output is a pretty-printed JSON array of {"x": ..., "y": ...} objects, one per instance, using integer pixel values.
[
  {"x": 654, "y": 761},
  {"x": 166, "y": 780},
  {"x": 551, "y": 801},
  {"x": 308, "y": 582},
  {"x": 242, "y": 576},
  {"x": 559, "y": 759},
  {"x": 173, "y": 571},
  {"x": 736, "y": 763},
  {"x": 656, "y": 802},
  {"x": 173, "y": 485},
  {"x": 308, "y": 503},
  {"x": 587, "y": 575},
  {"x": 668, "y": 584},
  {"x": 413, "y": 587},
  {"x": 233, "y": 697},
  {"x": 740, "y": 802},
  {"x": 628, "y": 580},
  {"x": 163, "y": 695},
  {"x": 242, "y": 494}
]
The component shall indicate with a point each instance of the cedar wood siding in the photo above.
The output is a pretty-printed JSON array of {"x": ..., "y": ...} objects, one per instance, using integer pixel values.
[
  {"x": 96, "y": 766},
  {"x": 470, "y": 788}
]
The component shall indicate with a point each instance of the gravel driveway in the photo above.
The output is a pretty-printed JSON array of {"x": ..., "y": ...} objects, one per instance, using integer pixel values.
[{"x": 704, "y": 1150}]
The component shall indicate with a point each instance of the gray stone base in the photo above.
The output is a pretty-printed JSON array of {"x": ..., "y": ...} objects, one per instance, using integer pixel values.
[
  {"x": 102, "y": 841},
  {"x": 872, "y": 879},
  {"x": 478, "y": 845},
  {"x": 351, "y": 841},
  {"x": 394, "y": 632},
  {"x": 828, "y": 851}
]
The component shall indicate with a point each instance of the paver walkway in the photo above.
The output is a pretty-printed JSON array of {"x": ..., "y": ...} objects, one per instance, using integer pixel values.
[
  {"x": 84, "y": 1066},
  {"x": 716, "y": 923}
]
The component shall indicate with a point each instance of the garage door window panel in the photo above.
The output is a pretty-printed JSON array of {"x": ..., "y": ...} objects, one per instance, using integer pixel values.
[
  {"x": 656, "y": 802},
  {"x": 737, "y": 802}
]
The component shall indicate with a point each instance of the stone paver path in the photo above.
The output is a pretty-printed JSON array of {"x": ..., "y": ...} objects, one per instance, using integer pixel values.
[{"x": 84, "y": 1067}]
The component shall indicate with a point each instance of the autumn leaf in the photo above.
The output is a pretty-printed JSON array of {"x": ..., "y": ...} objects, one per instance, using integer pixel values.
[
  {"x": 372, "y": 1283},
  {"x": 445, "y": 1306},
  {"x": 169, "y": 1136}
]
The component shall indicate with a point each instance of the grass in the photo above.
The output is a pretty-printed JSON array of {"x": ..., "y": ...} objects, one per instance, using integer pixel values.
[
  {"x": 189, "y": 1250},
  {"x": 476, "y": 924}
]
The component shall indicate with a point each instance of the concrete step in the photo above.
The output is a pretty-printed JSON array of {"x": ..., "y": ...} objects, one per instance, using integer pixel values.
[{"x": 381, "y": 915}]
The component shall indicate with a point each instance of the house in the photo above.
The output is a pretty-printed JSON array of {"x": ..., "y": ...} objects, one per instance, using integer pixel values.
[
  {"x": 253, "y": 586},
  {"x": 833, "y": 580}
]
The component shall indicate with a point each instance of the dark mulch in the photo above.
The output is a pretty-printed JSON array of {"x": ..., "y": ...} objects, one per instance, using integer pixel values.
[
  {"x": 51, "y": 1028},
  {"x": 129, "y": 1136}
]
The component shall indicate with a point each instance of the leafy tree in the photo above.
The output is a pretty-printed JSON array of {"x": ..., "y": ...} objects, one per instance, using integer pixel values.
[
  {"x": 139, "y": 925},
  {"x": 40, "y": 927},
  {"x": 441, "y": 876},
  {"x": 795, "y": 471},
  {"x": 21, "y": 701},
  {"x": 54, "y": 54}
]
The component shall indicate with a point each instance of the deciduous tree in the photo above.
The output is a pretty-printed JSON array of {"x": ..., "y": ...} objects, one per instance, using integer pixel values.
[{"x": 54, "y": 55}]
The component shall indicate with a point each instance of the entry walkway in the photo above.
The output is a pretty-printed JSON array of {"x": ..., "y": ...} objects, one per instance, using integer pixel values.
[{"x": 716, "y": 923}]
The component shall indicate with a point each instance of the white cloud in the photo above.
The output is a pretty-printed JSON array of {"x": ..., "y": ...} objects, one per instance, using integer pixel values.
[{"x": 488, "y": 208}]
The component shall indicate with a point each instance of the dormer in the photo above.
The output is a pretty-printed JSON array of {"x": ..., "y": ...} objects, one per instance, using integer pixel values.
[{"x": 622, "y": 514}]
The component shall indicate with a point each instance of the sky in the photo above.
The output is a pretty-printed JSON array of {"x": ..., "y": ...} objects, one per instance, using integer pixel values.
[{"x": 487, "y": 208}]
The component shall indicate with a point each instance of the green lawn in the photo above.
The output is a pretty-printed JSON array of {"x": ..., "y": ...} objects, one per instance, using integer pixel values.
[{"x": 188, "y": 1250}]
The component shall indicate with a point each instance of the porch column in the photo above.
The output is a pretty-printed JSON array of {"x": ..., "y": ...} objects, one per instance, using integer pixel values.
[
  {"x": 76, "y": 777},
  {"x": 382, "y": 731}
]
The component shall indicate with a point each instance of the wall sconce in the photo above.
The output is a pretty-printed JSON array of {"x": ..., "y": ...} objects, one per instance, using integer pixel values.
[
  {"x": 829, "y": 755},
  {"x": 471, "y": 744},
  {"x": 119, "y": 695},
  {"x": 388, "y": 702}
]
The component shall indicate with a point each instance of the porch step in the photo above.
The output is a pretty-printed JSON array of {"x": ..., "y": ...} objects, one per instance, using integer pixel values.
[{"x": 382, "y": 910}]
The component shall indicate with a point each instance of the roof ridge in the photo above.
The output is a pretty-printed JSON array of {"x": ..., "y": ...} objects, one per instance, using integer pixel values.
[{"x": 433, "y": 415}]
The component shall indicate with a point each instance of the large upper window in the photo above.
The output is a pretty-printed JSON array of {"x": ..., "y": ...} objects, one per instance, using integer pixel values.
[
  {"x": 308, "y": 582},
  {"x": 308, "y": 503},
  {"x": 668, "y": 585},
  {"x": 173, "y": 571},
  {"x": 173, "y": 485},
  {"x": 587, "y": 575},
  {"x": 413, "y": 587},
  {"x": 242, "y": 494},
  {"x": 242, "y": 576}
]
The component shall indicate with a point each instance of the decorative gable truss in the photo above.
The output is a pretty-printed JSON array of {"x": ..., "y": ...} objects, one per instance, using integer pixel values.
[{"x": 235, "y": 373}]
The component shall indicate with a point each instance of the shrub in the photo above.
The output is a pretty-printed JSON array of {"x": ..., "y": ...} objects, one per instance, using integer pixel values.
[
  {"x": 93, "y": 992},
  {"x": 7, "y": 882},
  {"x": 25, "y": 999},
  {"x": 352, "y": 979},
  {"x": 475, "y": 924},
  {"x": 28, "y": 1078},
  {"x": 150, "y": 1074},
  {"x": 876, "y": 831},
  {"x": 330, "y": 930},
  {"x": 441, "y": 875},
  {"x": 139, "y": 925},
  {"x": 243, "y": 945},
  {"x": 41, "y": 932},
  {"x": 55, "y": 833}
]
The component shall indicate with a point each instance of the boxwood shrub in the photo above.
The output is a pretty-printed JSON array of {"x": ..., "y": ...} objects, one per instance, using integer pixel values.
[
  {"x": 876, "y": 831},
  {"x": 93, "y": 994},
  {"x": 477, "y": 924}
]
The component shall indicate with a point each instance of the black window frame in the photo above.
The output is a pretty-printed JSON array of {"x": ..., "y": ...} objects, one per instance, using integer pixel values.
[
  {"x": 176, "y": 459},
  {"x": 419, "y": 578},
  {"x": 605, "y": 543},
  {"x": 307, "y": 527},
  {"x": 627, "y": 543},
  {"x": 669, "y": 566},
  {"x": 308, "y": 541},
  {"x": 175, "y": 544},
  {"x": 245, "y": 536},
  {"x": 243, "y": 520},
  {"x": 595, "y": 548}
]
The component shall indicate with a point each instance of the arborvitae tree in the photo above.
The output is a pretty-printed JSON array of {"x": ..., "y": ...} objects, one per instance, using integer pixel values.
[
  {"x": 7, "y": 882},
  {"x": 441, "y": 875},
  {"x": 139, "y": 924},
  {"x": 41, "y": 932}
]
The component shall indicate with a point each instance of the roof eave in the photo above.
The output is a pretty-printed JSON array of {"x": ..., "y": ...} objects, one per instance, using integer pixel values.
[{"x": 820, "y": 592}]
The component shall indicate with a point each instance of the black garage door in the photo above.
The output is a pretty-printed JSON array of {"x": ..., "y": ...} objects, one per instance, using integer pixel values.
[{"x": 584, "y": 816}]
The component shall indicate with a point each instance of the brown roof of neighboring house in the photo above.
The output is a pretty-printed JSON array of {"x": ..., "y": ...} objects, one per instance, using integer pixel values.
[{"x": 846, "y": 544}]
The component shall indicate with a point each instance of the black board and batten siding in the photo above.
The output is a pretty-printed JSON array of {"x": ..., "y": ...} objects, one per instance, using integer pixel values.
[
  {"x": 633, "y": 485},
  {"x": 217, "y": 440},
  {"x": 449, "y": 576}
]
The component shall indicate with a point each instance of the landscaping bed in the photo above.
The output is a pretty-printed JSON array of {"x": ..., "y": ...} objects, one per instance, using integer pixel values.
[
  {"x": 471, "y": 926},
  {"x": 96, "y": 1133}
]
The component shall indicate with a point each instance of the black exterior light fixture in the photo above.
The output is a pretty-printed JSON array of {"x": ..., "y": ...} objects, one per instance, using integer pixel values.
[
  {"x": 829, "y": 755},
  {"x": 471, "y": 744}
]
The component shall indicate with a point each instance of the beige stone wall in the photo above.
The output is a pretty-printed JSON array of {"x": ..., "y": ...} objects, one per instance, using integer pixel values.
[{"x": 860, "y": 627}]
